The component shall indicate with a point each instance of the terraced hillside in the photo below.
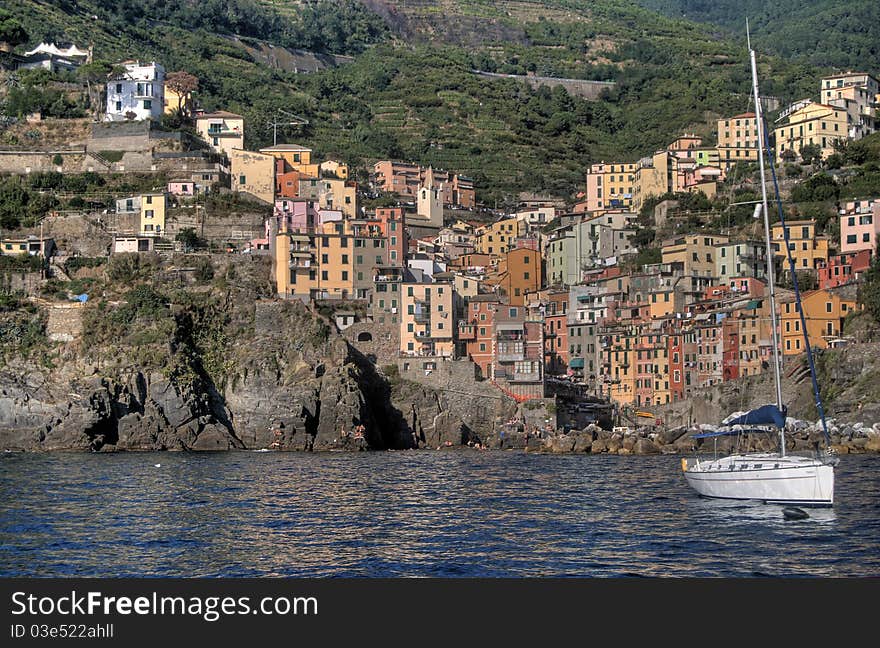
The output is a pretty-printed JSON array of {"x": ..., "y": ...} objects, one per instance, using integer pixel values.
[{"x": 410, "y": 91}]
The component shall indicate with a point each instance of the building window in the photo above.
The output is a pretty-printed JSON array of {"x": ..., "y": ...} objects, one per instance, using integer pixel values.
[{"x": 148, "y": 104}]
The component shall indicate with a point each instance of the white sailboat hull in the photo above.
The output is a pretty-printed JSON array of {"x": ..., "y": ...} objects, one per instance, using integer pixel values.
[{"x": 769, "y": 478}]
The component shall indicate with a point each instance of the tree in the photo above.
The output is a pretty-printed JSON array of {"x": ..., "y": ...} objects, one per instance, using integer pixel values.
[
  {"x": 188, "y": 237},
  {"x": 95, "y": 74},
  {"x": 181, "y": 83},
  {"x": 11, "y": 31},
  {"x": 811, "y": 154}
]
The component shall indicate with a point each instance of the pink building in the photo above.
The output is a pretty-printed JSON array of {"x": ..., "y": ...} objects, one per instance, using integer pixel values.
[
  {"x": 182, "y": 188},
  {"x": 296, "y": 214},
  {"x": 859, "y": 225}
]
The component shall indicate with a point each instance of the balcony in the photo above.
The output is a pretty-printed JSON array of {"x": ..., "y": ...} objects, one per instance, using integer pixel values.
[
  {"x": 422, "y": 315},
  {"x": 510, "y": 352},
  {"x": 298, "y": 260}
]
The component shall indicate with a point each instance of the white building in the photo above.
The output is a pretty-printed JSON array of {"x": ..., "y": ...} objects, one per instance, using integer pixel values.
[{"x": 140, "y": 90}]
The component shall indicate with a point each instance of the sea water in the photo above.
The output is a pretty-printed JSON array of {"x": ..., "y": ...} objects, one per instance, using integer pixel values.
[{"x": 459, "y": 513}]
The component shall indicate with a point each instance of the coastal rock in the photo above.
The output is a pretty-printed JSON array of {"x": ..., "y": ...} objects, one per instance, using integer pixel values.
[
  {"x": 646, "y": 447},
  {"x": 583, "y": 442}
]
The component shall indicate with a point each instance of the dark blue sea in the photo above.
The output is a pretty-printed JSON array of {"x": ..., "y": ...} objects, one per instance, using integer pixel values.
[{"x": 416, "y": 513}]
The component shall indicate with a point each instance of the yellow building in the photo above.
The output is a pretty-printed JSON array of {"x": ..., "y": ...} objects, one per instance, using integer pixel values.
[
  {"x": 662, "y": 302},
  {"x": 334, "y": 169},
  {"x": 427, "y": 323},
  {"x": 618, "y": 360},
  {"x": 656, "y": 176},
  {"x": 298, "y": 158},
  {"x": 341, "y": 195},
  {"x": 610, "y": 186},
  {"x": 224, "y": 131},
  {"x": 695, "y": 252},
  {"x": 814, "y": 124},
  {"x": 498, "y": 238},
  {"x": 334, "y": 250},
  {"x": 296, "y": 272},
  {"x": 738, "y": 140},
  {"x": 807, "y": 249},
  {"x": 824, "y": 312},
  {"x": 153, "y": 214},
  {"x": 254, "y": 173}
]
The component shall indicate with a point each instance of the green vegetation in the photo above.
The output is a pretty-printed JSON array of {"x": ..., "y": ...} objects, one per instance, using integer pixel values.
[
  {"x": 401, "y": 98},
  {"x": 842, "y": 33},
  {"x": 111, "y": 156},
  {"x": 35, "y": 91}
]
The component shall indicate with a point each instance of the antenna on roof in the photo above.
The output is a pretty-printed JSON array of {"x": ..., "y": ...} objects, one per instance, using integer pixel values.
[{"x": 276, "y": 122}]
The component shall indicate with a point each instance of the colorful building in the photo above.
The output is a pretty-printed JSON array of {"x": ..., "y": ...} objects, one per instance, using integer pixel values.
[
  {"x": 610, "y": 186},
  {"x": 152, "y": 221},
  {"x": 496, "y": 239},
  {"x": 824, "y": 312},
  {"x": 254, "y": 173},
  {"x": 859, "y": 225},
  {"x": 427, "y": 326},
  {"x": 815, "y": 124},
  {"x": 223, "y": 131},
  {"x": 738, "y": 140},
  {"x": 808, "y": 249}
]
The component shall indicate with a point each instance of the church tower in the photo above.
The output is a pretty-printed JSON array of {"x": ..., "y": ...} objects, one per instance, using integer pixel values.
[{"x": 430, "y": 201}]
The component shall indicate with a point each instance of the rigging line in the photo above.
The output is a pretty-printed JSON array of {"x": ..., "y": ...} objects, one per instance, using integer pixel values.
[{"x": 797, "y": 294}]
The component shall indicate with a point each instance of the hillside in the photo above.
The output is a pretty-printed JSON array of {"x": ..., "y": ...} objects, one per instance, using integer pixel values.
[
  {"x": 410, "y": 90},
  {"x": 841, "y": 33}
]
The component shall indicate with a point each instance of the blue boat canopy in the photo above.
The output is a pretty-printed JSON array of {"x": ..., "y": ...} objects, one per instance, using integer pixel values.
[
  {"x": 720, "y": 433},
  {"x": 765, "y": 415}
]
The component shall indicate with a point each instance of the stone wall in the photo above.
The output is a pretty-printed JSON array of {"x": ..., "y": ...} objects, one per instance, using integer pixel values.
[
  {"x": 384, "y": 342},
  {"x": 120, "y": 136},
  {"x": 23, "y": 162},
  {"x": 228, "y": 226},
  {"x": 65, "y": 322},
  {"x": 25, "y": 282}
]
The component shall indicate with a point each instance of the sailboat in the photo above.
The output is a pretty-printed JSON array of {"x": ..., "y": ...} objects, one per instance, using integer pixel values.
[{"x": 769, "y": 477}]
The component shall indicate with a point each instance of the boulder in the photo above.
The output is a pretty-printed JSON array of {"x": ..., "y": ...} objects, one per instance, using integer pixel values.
[
  {"x": 213, "y": 437},
  {"x": 646, "y": 447},
  {"x": 583, "y": 442}
]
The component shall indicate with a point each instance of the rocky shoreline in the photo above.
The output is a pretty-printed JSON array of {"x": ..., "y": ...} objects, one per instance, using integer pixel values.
[{"x": 801, "y": 436}]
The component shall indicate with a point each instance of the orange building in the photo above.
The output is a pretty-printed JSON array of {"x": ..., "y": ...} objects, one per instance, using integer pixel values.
[
  {"x": 824, "y": 312},
  {"x": 296, "y": 157},
  {"x": 518, "y": 273}
]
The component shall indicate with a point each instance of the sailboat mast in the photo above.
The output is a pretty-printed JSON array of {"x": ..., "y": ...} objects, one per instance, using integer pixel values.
[{"x": 759, "y": 119}]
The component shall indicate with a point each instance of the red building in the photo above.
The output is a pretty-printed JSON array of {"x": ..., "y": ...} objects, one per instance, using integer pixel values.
[
  {"x": 391, "y": 219},
  {"x": 675, "y": 353},
  {"x": 843, "y": 268},
  {"x": 476, "y": 331},
  {"x": 730, "y": 340}
]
